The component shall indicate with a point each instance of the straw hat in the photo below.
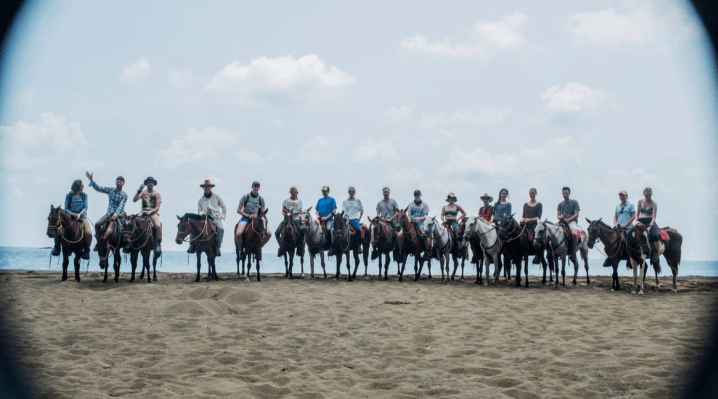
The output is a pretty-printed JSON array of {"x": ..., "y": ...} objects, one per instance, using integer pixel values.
[
  {"x": 325, "y": 188},
  {"x": 207, "y": 182},
  {"x": 451, "y": 195},
  {"x": 486, "y": 196}
]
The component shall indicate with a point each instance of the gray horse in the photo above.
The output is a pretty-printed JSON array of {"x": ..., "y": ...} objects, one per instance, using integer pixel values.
[
  {"x": 491, "y": 245},
  {"x": 443, "y": 243},
  {"x": 314, "y": 236},
  {"x": 553, "y": 238}
]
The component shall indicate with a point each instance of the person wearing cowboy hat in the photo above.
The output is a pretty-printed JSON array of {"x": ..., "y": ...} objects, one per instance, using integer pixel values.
[
  {"x": 212, "y": 205},
  {"x": 290, "y": 206},
  {"x": 248, "y": 206},
  {"x": 151, "y": 201},
  {"x": 486, "y": 211},
  {"x": 450, "y": 213},
  {"x": 623, "y": 217}
]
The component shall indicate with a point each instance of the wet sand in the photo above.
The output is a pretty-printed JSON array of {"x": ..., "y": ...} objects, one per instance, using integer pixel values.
[{"x": 365, "y": 339}]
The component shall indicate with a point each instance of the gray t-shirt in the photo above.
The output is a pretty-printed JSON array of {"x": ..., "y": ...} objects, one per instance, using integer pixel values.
[
  {"x": 387, "y": 208},
  {"x": 293, "y": 205},
  {"x": 418, "y": 210},
  {"x": 251, "y": 203},
  {"x": 568, "y": 209},
  {"x": 352, "y": 208}
]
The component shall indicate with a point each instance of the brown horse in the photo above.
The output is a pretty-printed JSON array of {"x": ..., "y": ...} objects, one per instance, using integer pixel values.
[
  {"x": 384, "y": 242},
  {"x": 111, "y": 246},
  {"x": 360, "y": 238},
  {"x": 413, "y": 244},
  {"x": 638, "y": 249},
  {"x": 672, "y": 253},
  {"x": 139, "y": 238},
  {"x": 253, "y": 239},
  {"x": 341, "y": 242},
  {"x": 202, "y": 231},
  {"x": 614, "y": 243},
  {"x": 290, "y": 237},
  {"x": 518, "y": 241},
  {"x": 59, "y": 223}
]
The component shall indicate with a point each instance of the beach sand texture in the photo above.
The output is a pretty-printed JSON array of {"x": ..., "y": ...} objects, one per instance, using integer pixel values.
[{"x": 365, "y": 339}]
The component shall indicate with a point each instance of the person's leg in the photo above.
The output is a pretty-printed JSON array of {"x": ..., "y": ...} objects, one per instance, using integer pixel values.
[
  {"x": 155, "y": 218},
  {"x": 87, "y": 238},
  {"x": 277, "y": 235},
  {"x": 574, "y": 235},
  {"x": 239, "y": 234},
  {"x": 330, "y": 226},
  {"x": 98, "y": 227},
  {"x": 357, "y": 234}
]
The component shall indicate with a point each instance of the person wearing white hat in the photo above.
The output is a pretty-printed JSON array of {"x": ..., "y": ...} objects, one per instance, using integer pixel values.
[
  {"x": 449, "y": 215},
  {"x": 212, "y": 205}
]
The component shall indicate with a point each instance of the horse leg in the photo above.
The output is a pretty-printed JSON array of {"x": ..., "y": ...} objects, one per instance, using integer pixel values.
[
  {"x": 338, "y": 254},
  {"x": 107, "y": 266},
  {"x": 517, "y": 263},
  {"x": 479, "y": 269},
  {"x": 674, "y": 271},
  {"x": 615, "y": 285},
  {"x": 321, "y": 258},
  {"x": 146, "y": 263},
  {"x": 291, "y": 263},
  {"x": 118, "y": 261},
  {"x": 584, "y": 256},
  {"x": 642, "y": 277},
  {"x": 199, "y": 264},
  {"x": 65, "y": 262},
  {"x": 403, "y": 266},
  {"x": 526, "y": 270},
  {"x": 356, "y": 263},
  {"x": 286, "y": 265},
  {"x": 573, "y": 260},
  {"x": 76, "y": 263},
  {"x": 256, "y": 259},
  {"x": 350, "y": 277},
  {"x": 635, "y": 276}
]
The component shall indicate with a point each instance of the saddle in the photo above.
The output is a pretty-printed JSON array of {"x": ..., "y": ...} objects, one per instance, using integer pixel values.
[
  {"x": 663, "y": 235},
  {"x": 451, "y": 232},
  {"x": 361, "y": 230}
]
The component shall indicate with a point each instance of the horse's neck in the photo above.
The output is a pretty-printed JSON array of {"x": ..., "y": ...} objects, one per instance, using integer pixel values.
[
  {"x": 607, "y": 234},
  {"x": 68, "y": 223},
  {"x": 556, "y": 235},
  {"x": 197, "y": 227}
]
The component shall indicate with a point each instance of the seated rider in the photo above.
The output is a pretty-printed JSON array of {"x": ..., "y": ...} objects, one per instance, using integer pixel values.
[
  {"x": 115, "y": 207},
  {"x": 417, "y": 212},
  {"x": 248, "y": 206},
  {"x": 530, "y": 217},
  {"x": 449, "y": 215},
  {"x": 567, "y": 213},
  {"x": 354, "y": 210},
  {"x": 647, "y": 212},
  {"x": 623, "y": 218},
  {"x": 502, "y": 208},
  {"x": 487, "y": 211},
  {"x": 151, "y": 201},
  {"x": 76, "y": 207},
  {"x": 388, "y": 210},
  {"x": 325, "y": 212},
  {"x": 211, "y": 204},
  {"x": 293, "y": 206}
]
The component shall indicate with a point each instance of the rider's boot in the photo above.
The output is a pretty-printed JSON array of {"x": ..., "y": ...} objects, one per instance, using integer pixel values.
[
  {"x": 280, "y": 252},
  {"x": 158, "y": 247},
  {"x": 300, "y": 248},
  {"x": 536, "y": 260},
  {"x": 56, "y": 248},
  {"x": 85, "y": 250},
  {"x": 359, "y": 249},
  {"x": 191, "y": 248},
  {"x": 374, "y": 254},
  {"x": 608, "y": 262},
  {"x": 655, "y": 258}
]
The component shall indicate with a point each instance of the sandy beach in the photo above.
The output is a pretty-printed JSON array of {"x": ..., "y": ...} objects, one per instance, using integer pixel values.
[{"x": 366, "y": 339}]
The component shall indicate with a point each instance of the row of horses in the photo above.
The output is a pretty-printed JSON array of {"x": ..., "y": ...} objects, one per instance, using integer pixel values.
[{"x": 504, "y": 244}]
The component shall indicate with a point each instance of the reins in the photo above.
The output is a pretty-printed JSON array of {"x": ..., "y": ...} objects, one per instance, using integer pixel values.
[{"x": 61, "y": 230}]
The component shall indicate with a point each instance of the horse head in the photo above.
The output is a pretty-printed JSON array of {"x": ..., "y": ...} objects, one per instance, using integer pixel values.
[
  {"x": 462, "y": 228},
  {"x": 637, "y": 240},
  {"x": 128, "y": 228},
  {"x": 183, "y": 228},
  {"x": 505, "y": 227},
  {"x": 592, "y": 231},
  {"x": 339, "y": 225},
  {"x": 539, "y": 235},
  {"x": 428, "y": 228},
  {"x": 53, "y": 221},
  {"x": 304, "y": 220},
  {"x": 470, "y": 225},
  {"x": 261, "y": 221}
]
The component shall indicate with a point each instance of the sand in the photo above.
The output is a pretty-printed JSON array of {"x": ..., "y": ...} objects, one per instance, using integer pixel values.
[{"x": 365, "y": 339}]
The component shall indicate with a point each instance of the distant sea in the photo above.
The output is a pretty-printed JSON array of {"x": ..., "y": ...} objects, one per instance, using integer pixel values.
[{"x": 177, "y": 262}]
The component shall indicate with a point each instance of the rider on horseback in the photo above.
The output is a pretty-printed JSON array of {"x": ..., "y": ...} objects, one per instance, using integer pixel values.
[
  {"x": 248, "y": 206},
  {"x": 293, "y": 206},
  {"x": 418, "y": 210},
  {"x": 449, "y": 215},
  {"x": 115, "y": 207},
  {"x": 486, "y": 211},
  {"x": 647, "y": 212},
  {"x": 567, "y": 213},
  {"x": 530, "y": 217},
  {"x": 354, "y": 211},
  {"x": 151, "y": 201},
  {"x": 388, "y": 210},
  {"x": 623, "y": 218},
  {"x": 325, "y": 212},
  {"x": 212, "y": 205},
  {"x": 76, "y": 207},
  {"x": 502, "y": 208}
]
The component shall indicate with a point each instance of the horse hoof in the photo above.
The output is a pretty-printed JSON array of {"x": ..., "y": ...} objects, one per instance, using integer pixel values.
[
  {"x": 104, "y": 281},
  {"x": 196, "y": 280},
  {"x": 64, "y": 279},
  {"x": 154, "y": 278},
  {"x": 640, "y": 292},
  {"x": 247, "y": 280},
  {"x": 149, "y": 281},
  {"x": 633, "y": 292},
  {"x": 117, "y": 280}
]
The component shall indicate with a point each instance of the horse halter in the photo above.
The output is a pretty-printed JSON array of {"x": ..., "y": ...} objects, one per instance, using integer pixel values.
[{"x": 61, "y": 230}]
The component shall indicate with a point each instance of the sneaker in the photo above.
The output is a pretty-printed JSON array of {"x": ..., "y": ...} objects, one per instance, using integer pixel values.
[
  {"x": 280, "y": 253},
  {"x": 359, "y": 250},
  {"x": 55, "y": 251},
  {"x": 191, "y": 249},
  {"x": 217, "y": 252},
  {"x": 331, "y": 251},
  {"x": 536, "y": 260},
  {"x": 374, "y": 254}
]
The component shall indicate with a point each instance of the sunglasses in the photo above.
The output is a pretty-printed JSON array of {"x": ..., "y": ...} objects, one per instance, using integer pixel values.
[{"x": 352, "y": 192}]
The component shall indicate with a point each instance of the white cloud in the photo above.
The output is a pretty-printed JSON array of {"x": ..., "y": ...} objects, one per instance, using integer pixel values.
[
  {"x": 491, "y": 116},
  {"x": 431, "y": 121},
  {"x": 195, "y": 146},
  {"x": 178, "y": 78},
  {"x": 27, "y": 146},
  {"x": 552, "y": 155},
  {"x": 574, "y": 98},
  {"x": 136, "y": 70},
  {"x": 404, "y": 176},
  {"x": 371, "y": 149},
  {"x": 305, "y": 76},
  {"x": 255, "y": 157},
  {"x": 316, "y": 150},
  {"x": 487, "y": 38},
  {"x": 398, "y": 113}
]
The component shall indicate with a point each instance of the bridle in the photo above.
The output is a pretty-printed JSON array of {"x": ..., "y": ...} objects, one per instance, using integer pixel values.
[
  {"x": 60, "y": 229},
  {"x": 188, "y": 228},
  {"x": 508, "y": 233},
  {"x": 597, "y": 238},
  {"x": 340, "y": 233},
  {"x": 131, "y": 233}
]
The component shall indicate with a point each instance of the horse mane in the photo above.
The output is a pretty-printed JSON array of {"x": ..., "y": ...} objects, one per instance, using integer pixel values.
[
  {"x": 605, "y": 225},
  {"x": 193, "y": 216}
]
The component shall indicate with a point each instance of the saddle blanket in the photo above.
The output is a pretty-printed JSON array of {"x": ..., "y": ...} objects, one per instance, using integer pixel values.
[{"x": 663, "y": 235}]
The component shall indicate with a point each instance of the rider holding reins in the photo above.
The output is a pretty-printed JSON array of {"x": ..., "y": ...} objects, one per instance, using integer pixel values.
[
  {"x": 388, "y": 210},
  {"x": 449, "y": 215},
  {"x": 151, "y": 201},
  {"x": 211, "y": 204},
  {"x": 325, "y": 212},
  {"x": 354, "y": 210},
  {"x": 115, "y": 207},
  {"x": 248, "y": 206},
  {"x": 76, "y": 207},
  {"x": 567, "y": 213},
  {"x": 291, "y": 206},
  {"x": 417, "y": 211}
]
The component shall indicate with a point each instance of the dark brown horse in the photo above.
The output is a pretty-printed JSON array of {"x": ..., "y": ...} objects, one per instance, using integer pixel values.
[
  {"x": 139, "y": 239},
  {"x": 202, "y": 231},
  {"x": 290, "y": 237},
  {"x": 384, "y": 242},
  {"x": 518, "y": 242},
  {"x": 360, "y": 238},
  {"x": 413, "y": 244},
  {"x": 341, "y": 242},
  {"x": 672, "y": 254},
  {"x": 71, "y": 232},
  {"x": 253, "y": 240},
  {"x": 111, "y": 246},
  {"x": 638, "y": 248},
  {"x": 614, "y": 244}
]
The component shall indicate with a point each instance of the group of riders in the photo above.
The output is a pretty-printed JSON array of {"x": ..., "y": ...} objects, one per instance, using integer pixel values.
[{"x": 211, "y": 205}]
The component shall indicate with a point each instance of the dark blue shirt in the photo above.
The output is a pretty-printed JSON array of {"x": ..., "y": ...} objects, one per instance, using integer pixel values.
[{"x": 76, "y": 205}]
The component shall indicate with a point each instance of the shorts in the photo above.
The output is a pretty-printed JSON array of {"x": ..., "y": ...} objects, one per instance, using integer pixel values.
[
  {"x": 453, "y": 225},
  {"x": 244, "y": 219},
  {"x": 355, "y": 224}
]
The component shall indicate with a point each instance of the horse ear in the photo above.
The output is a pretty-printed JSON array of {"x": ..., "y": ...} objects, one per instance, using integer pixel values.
[
  {"x": 512, "y": 215},
  {"x": 309, "y": 209},
  {"x": 368, "y": 218},
  {"x": 178, "y": 217},
  {"x": 599, "y": 219},
  {"x": 589, "y": 222}
]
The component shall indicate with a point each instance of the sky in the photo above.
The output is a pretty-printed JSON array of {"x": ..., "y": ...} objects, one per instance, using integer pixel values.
[{"x": 458, "y": 96}]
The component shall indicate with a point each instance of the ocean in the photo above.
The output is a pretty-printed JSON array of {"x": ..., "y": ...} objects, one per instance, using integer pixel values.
[{"x": 177, "y": 262}]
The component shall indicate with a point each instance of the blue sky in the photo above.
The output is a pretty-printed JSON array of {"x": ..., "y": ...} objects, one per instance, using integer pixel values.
[{"x": 459, "y": 96}]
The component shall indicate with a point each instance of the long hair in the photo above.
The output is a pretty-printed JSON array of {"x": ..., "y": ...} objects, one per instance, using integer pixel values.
[
  {"x": 499, "y": 199},
  {"x": 76, "y": 186}
]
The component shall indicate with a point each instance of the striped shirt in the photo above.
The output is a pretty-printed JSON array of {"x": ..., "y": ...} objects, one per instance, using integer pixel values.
[{"x": 117, "y": 199}]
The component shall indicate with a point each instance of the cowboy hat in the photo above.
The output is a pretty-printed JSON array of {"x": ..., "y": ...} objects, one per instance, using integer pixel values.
[
  {"x": 152, "y": 179},
  {"x": 451, "y": 195},
  {"x": 207, "y": 182},
  {"x": 486, "y": 196}
]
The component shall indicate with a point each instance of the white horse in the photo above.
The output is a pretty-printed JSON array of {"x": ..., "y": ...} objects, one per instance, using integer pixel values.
[
  {"x": 556, "y": 242},
  {"x": 443, "y": 243},
  {"x": 490, "y": 243},
  {"x": 314, "y": 236}
]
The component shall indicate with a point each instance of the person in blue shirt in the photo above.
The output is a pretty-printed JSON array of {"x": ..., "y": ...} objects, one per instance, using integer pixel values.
[
  {"x": 623, "y": 217},
  {"x": 325, "y": 212},
  {"x": 76, "y": 208}
]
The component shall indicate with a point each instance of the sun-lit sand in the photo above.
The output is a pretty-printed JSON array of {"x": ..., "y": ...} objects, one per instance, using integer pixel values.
[{"x": 365, "y": 339}]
